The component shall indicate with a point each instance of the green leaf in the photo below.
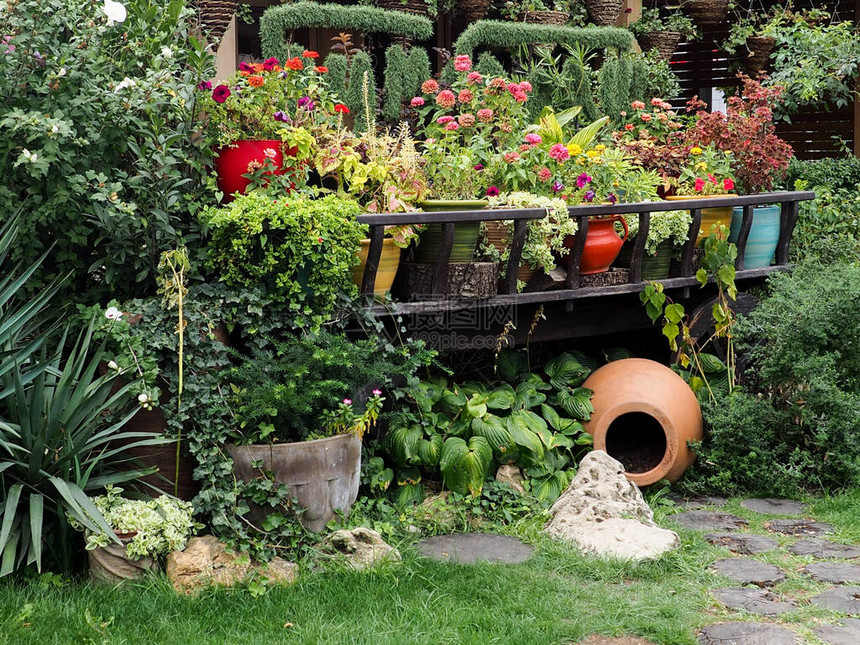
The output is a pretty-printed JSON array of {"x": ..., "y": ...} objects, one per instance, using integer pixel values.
[
  {"x": 711, "y": 363},
  {"x": 510, "y": 364},
  {"x": 524, "y": 436},
  {"x": 674, "y": 313},
  {"x": 409, "y": 494},
  {"x": 464, "y": 466},
  {"x": 409, "y": 475},
  {"x": 550, "y": 489},
  {"x": 577, "y": 402},
  {"x": 565, "y": 371},
  {"x": 501, "y": 398},
  {"x": 476, "y": 406},
  {"x": 726, "y": 273},
  {"x": 37, "y": 507},
  {"x": 495, "y": 431},
  {"x": 430, "y": 449},
  {"x": 402, "y": 443}
]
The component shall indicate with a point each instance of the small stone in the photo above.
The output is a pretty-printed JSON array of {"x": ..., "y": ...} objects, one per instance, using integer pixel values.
[
  {"x": 844, "y": 599},
  {"x": 836, "y": 572},
  {"x": 747, "y": 634},
  {"x": 846, "y": 633},
  {"x": 757, "y": 601},
  {"x": 709, "y": 521},
  {"x": 596, "y": 639},
  {"x": 361, "y": 548},
  {"x": 698, "y": 502},
  {"x": 749, "y": 572},
  {"x": 511, "y": 475},
  {"x": 772, "y": 506},
  {"x": 824, "y": 549},
  {"x": 805, "y": 528},
  {"x": 743, "y": 543},
  {"x": 468, "y": 548}
]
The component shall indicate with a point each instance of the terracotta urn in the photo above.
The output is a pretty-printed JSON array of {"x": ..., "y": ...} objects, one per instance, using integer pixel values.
[
  {"x": 644, "y": 416},
  {"x": 602, "y": 245}
]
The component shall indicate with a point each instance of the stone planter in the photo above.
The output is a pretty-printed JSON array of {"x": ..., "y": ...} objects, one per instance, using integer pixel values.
[
  {"x": 322, "y": 475},
  {"x": 111, "y": 564},
  {"x": 644, "y": 416}
]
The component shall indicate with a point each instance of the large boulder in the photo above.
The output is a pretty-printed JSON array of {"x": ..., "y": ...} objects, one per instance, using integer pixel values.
[
  {"x": 604, "y": 513},
  {"x": 206, "y": 561}
]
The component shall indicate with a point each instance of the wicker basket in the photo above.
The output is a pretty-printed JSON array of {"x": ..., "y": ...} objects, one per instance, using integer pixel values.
[
  {"x": 418, "y": 7},
  {"x": 473, "y": 10},
  {"x": 215, "y": 16},
  {"x": 707, "y": 12},
  {"x": 760, "y": 48},
  {"x": 604, "y": 12},
  {"x": 665, "y": 42},
  {"x": 559, "y": 18}
]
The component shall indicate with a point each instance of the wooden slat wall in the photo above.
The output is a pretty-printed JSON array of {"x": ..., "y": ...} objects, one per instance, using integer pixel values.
[{"x": 700, "y": 65}]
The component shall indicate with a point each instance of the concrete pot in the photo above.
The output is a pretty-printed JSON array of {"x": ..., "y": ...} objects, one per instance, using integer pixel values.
[
  {"x": 644, "y": 416},
  {"x": 323, "y": 474}
]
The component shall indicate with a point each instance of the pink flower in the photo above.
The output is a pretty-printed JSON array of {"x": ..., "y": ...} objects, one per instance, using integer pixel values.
[
  {"x": 512, "y": 157},
  {"x": 429, "y": 86},
  {"x": 712, "y": 179},
  {"x": 221, "y": 93},
  {"x": 728, "y": 184},
  {"x": 445, "y": 99},
  {"x": 465, "y": 96},
  {"x": 520, "y": 96},
  {"x": 525, "y": 146},
  {"x": 452, "y": 126},
  {"x": 656, "y": 101},
  {"x": 498, "y": 84},
  {"x": 467, "y": 120},
  {"x": 377, "y": 392},
  {"x": 559, "y": 152},
  {"x": 492, "y": 191},
  {"x": 270, "y": 63},
  {"x": 462, "y": 63},
  {"x": 629, "y": 127},
  {"x": 513, "y": 87},
  {"x": 417, "y": 101},
  {"x": 533, "y": 138},
  {"x": 245, "y": 67},
  {"x": 582, "y": 180},
  {"x": 271, "y": 153},
  {"x": 645, "y": 117},
  {"x": 474, "y": 77},
  {"x": 485, "y": 115},
  {"x": 637, "y": 105},
  {"x": 347, "y": 401},
  {"x": 544, "y": 174},
  {"x": 442, "y": 120},
  {"x": 699, "y": 185},
  {"x": 526, "y": 86}
]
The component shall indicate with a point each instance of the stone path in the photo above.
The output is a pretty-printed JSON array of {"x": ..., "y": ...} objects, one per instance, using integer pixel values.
[
  {"x": 802, "y": 537},
  {"x": 468, "y": 548}
]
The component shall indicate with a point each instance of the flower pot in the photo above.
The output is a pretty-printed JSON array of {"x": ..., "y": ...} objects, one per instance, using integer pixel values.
[
  {"x": 111, "y": 564},
  {"x": 602, "y": 245},
  {"x": 710, "y": 216},
  {"x": 654, "y": 267},
  {"x": 465, "y": 233},
  {"x": 558, "y": 18},
  {"x": 389, "y": 261},
  {"x": 707, "y": 12},
  {"x": 418, "y": 7},
  {"x": 231, "y": 162},
  {"x": 604, "y": 12},
  {"x": 498, "y": 235},
  {"x": 665, "y": 42},
  {"x": 760, "y": 48},
  {"x": 763, "y": 237},
  {"x": 323, "y": 474},
  {"x": 473, "y": 10},
  {"x": 644, "y": 416}
]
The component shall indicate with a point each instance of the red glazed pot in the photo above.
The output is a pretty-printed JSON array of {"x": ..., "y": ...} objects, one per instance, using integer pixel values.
[
  {"x": 231, "y": 162},
  {"x": 602, "y": 244},
  {"x": 644, "y": 415}
]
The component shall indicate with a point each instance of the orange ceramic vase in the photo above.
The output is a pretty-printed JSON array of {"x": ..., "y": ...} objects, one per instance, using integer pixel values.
[{"x": 644, "y": 416}]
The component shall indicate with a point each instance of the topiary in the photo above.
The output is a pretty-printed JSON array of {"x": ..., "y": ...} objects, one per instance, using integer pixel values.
[
  {"x": 360, "y": 67},
  {"x": 404, "y": 73}
]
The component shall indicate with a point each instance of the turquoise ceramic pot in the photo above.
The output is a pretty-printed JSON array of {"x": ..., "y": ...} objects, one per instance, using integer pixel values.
[{"x": 763, "y": 238}]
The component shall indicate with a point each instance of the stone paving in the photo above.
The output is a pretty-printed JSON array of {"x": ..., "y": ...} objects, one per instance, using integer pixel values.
[{"x": 758, "y": 582}]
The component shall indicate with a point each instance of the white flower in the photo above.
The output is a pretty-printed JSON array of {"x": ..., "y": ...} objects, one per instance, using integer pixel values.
[
  {"x": 115, "y": 12},
  {"x": 143, "y": 397},
  {"x": 167, "y": 52},
  {"x": 113, "y": 313},
  {"x": 270, "y": 153},
  {"x": 31, "y": 157},
  {"x": 55, "y": 129},
  {"x": 62, "y": 72},
  {"x": 113, "y": 366},
  {"x": 124, "y": 83}
]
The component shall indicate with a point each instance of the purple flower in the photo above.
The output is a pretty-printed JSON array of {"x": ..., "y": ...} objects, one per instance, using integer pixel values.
[
  {"x": 40, "y": 60},
  {"x": 479, "y": 166},
  {"x": 7, "y": 40},
  {"x": 582, "y": 180},
  {"x": 304, "y": 101},
  {"x": 557, "y": 186},
  {"x": 245, "y": 67},
  {"x": 205, "y": 85},
  {"x": 589, "y": 195},
  {"x": 492, "y": 191},
  {"x": 281, "y": 116},
  {"x": 612, "y": 198}
]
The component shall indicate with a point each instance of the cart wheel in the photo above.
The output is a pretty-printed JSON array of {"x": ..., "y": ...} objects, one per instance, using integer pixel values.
[{"x": 702, "y": 327}]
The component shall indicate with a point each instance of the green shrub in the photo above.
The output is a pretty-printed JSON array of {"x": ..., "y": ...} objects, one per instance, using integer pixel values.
[
  {"x": 404, "y": 73},
  {"x": 357, "y": 96},
  {"x": 497, "y": 33},
  {"x": 98, "y": 145},
  {"x": 299, "y": 250},
  {"x": 796, "y": 426}
]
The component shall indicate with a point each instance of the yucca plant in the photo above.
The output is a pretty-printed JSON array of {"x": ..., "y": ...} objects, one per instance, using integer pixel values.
[{"x": 59, "y": 426}]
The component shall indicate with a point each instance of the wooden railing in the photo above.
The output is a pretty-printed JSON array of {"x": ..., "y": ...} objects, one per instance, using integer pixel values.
[{"x": 683, "y": 272}]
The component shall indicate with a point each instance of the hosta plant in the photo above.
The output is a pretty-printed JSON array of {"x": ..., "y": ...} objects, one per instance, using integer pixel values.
[{"x": 462, "y": 432}]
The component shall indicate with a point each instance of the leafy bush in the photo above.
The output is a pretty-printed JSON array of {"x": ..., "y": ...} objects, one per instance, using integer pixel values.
[
  {"x": 298, "y": 250},
  {"x": 795, "y": 428},
  {"x": 497, "y": 33},
  {"x": 98, "y": 138}
]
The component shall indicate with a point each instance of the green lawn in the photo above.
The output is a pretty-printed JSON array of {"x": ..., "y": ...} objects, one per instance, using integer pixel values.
[{"x": 556, "y": 597}]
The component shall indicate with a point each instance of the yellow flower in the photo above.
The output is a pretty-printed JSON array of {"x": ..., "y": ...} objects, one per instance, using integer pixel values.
[
  {"x": 701, "y": 165},
  {"x": 592, "y": 154},
  {"x": 600, "y": 147},
  {"x": 574, "y": 149},
  {"x": 695, "y": 150}
]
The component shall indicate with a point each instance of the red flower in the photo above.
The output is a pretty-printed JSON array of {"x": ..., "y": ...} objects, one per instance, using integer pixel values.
[
  {"x": 699, "y": 185},
  {"x": 294, "y": 63},
  {"x": 310, "y": 54},
  {"x": 245, "y": 67},
  {"x": 492, "y": 191},
  {"x": 270, "y": 64},
  {"x": 728, "y": 184},
  {"x": 221, "y": 93},
  {"x": 321, "y": 69},
  {"x": 340, "y": 108}
]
